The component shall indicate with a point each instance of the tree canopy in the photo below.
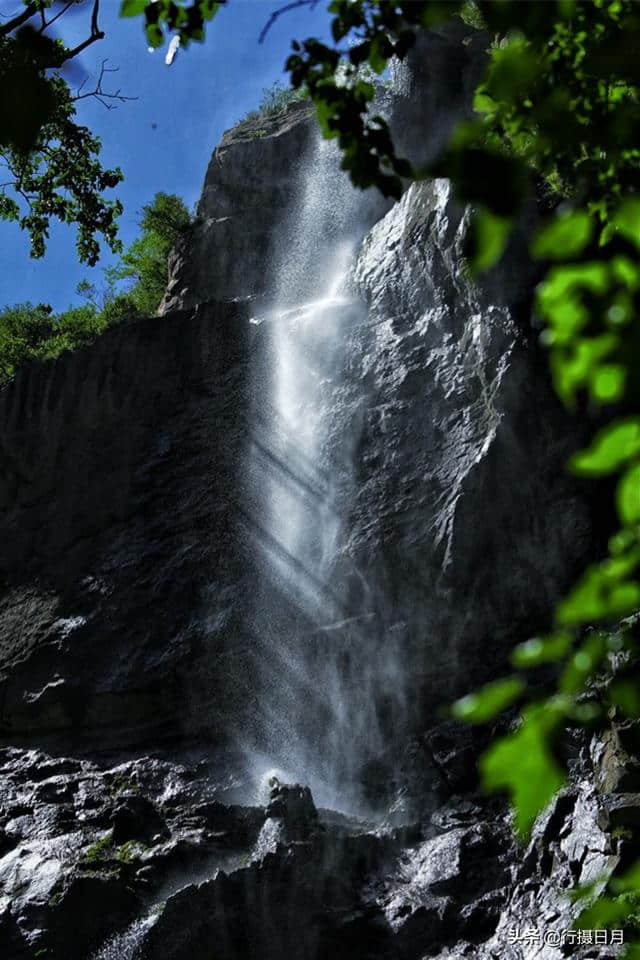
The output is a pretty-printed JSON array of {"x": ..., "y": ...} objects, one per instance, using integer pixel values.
[
  {"x": 50, "y": 162},
  {"x": 144, "y": 263},
  {"x": 36, "y": 332}
]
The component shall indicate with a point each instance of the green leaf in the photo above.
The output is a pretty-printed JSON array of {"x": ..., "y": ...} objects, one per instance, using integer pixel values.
[
  {"x": 564, "y": 237},
  {"x": 583, "y": 664},
  {"x": 626, "y": 272},
  {"x": 325, "y": 112},
  {"x": 575, "y": 368},
  {"x": 485, "y": 703},
  {"x": 559, "y": 297},
  {"x": 605, "y": 912},
  {"x": 607, "y": 382},
  {"x": 567, "y": 318},
  {"x": 377, "y": 60},
  {"x": 628, "y": 496},
  {"x": 523, "y": 765},
  {"x": 629, "y": 881},
  {"x": 621, "y": 541},
  {"x": 611, "y": 448},
  {"x": 132, "y": 8},
  {"x": 209, "y": 8},
  {"x": 541, "y": 650},
  {"x": 487, "y": 239},
  {"x": 513, "y": 68},
  {"x": 627, "y": 219},
  {"x": 626, "y": 695},
  {"x": 561, "y": 281},
  {"x": 602, "y": 592},
  {"x": 154, "y": 35},
  {"x": 482, "y": 103}
]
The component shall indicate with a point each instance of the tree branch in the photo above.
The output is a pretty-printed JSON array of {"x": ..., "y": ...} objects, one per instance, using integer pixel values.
[
  {"x": 278, "y": 13},
  {"x": 100, "y": 94},
  {"x": 94, "y": 17},
  {"x": 96, "y": 34},
  {"x": 57, "y": 16},
  {"x": 19, "y": 20}
]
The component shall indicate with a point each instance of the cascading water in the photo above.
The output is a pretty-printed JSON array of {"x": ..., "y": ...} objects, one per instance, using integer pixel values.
[
  {"x": 123, "y": 946},
  {"x": 313, "y": 716}
]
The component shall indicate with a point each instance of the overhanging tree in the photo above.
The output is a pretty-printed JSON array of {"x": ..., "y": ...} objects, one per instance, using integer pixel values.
[{"x": 50, "y": 168}]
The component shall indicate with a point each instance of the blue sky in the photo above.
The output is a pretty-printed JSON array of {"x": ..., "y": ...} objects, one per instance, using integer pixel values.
[{"x": 164, "y": 139}]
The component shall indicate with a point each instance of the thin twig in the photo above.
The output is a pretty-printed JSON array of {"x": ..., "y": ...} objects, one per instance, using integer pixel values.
[
  {"x": 100, "y": 94},
  {"x": 278, "y": 13},
  {"x": 58, "y": 15}
]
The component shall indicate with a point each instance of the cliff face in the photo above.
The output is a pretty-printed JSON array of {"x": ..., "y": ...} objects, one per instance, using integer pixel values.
[
  {"x": 251, "y": 179},
  {"x": 281, "y": 525},
  {"x": 116, "y": 496}
]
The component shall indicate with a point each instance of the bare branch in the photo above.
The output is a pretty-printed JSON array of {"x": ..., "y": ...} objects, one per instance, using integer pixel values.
[
  {"x": 94, "y": 17},
  {"x": 66, "y": 7},
  {"x": 278, "y": 13},
  {"x": 100, "y": 94}
]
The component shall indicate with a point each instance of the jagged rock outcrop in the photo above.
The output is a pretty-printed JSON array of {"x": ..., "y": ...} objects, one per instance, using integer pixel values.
[
  {"x": 247, "y": 191},
  {"x": 461, "y": 486}
]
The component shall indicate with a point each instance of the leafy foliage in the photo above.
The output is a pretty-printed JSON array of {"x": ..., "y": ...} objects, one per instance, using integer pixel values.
[
  {"x": 187, "y": 19},
  {"x": 486, "y": 703},
  {"x": 562, "y": 97},
  {"x": 274, "y": 99},
  {"x": 524, "y": 757},
  {"x": 144, "y": 263},
  {"x": 51, "y": 162},
  {"x": 29, "y": 332},
  {"x": 382, "y": 29}
]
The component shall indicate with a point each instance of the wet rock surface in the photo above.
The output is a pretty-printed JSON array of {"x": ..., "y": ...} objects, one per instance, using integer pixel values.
[
  {"x": 324, "y": 885},
  {"x": 86, "y": 849}
]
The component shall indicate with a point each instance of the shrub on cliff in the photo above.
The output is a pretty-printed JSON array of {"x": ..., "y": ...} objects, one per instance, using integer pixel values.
[
  {"x": 143, "y": 265},
  {"x": 275, "y": 98},
  {"x": 29, "y": 332},
  {"x": 35, "y": 332}
]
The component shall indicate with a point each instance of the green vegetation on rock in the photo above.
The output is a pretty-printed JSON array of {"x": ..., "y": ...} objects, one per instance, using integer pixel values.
[
  {"x": 275, "y": 99},
  {"x": 35, "y": 332}
]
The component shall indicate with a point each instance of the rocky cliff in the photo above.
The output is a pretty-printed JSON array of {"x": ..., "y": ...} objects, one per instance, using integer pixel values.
[{"x": 267, "y": 535}]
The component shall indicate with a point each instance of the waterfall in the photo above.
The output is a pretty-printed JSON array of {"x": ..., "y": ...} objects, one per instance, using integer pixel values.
[
  {"x": 306, "y": 710},
  {"x": 123, "y": 946}
]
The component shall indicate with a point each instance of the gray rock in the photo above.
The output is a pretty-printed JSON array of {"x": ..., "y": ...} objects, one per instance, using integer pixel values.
[
  {"x": 293, "y": 804},
  {"x": 247, "y": 191},
  {"x": 117, "y": 836}
]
